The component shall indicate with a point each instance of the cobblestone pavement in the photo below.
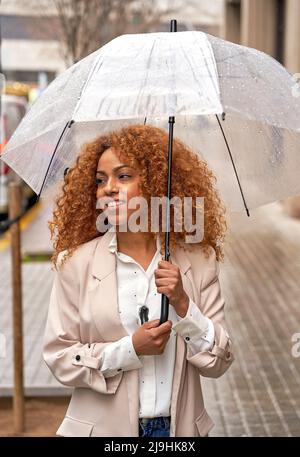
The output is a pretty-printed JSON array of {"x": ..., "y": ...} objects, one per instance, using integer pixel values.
[
  {"x": 37, "y": 279},
  {"x": 260, "y": 394}
]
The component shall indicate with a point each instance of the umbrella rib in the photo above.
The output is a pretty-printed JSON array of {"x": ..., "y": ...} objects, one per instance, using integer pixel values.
[
  {"x": 68, "y": 124},
  {"x": 237, "y": 177}
]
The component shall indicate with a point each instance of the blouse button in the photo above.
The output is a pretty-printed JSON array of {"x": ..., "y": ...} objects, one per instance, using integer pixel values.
[
  {"x": 77, "y": 357},
  {"x": 187, "y": 338}
]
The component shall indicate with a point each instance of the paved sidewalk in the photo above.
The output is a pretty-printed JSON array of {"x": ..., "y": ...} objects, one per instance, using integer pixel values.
[
  {"x": 36, "y": 238},
  {"x": 37, "y": 279},
  {"x": 260, "y": 394}
]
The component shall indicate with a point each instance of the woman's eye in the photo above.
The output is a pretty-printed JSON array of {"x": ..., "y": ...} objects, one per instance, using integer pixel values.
[{"x": 100, "y": 181}]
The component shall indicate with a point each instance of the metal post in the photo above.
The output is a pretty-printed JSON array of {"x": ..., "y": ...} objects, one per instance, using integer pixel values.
[{"x": 15, "y": 199}]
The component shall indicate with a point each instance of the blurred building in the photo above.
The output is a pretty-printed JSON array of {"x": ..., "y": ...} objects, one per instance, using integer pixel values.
[
  {"x": 204, "y": 15},
  {"x": 272, "y": 26},
  {"x": 30, "y": 45}
]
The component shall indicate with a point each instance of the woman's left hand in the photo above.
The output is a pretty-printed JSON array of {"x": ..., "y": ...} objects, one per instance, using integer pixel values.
[{"x": 168, "y": 281}]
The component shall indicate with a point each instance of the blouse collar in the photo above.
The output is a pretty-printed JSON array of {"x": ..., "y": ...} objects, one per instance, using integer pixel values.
[{"x": 113, "y": 244}]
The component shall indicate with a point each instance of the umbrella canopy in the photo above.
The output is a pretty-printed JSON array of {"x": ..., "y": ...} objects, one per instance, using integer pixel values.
[{"x": 235, "y": 106}]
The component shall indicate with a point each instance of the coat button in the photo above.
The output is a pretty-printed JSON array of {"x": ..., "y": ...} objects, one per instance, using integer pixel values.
[
  {"x": 187, "y": 338},
  {"x": 77, "y": 357},
  {"x": 119, "y": 369}
]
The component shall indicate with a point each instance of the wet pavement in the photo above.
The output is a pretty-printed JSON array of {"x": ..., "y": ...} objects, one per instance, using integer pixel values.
[
  {"x": 37, "y": 279},
  {"x": 260, "y": 394}
]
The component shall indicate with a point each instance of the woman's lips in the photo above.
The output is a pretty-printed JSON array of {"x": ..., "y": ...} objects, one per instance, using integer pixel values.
[{"x": 114, "y": 205}]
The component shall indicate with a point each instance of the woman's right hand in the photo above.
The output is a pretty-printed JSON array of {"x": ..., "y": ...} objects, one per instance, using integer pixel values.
[{"x": 151, "y": 339}]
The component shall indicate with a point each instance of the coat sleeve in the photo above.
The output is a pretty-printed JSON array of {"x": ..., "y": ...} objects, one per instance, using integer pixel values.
[
  {"x": 215, "y": 362},
  {"x": 196, "y": 329},
  {"x": 70, "y": 361}
]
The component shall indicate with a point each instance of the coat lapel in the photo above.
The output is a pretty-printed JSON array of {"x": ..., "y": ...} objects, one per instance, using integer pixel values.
[{"x": 103, "y": 294}]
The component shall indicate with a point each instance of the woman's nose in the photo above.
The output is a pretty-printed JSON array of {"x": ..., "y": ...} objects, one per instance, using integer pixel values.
[{"x": 111, "y": 186}]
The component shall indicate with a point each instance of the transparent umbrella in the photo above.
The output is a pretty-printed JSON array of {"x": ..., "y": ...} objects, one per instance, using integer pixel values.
[
  {"x": 236, "y": 107},
  {"x": 253, "y": 147}
]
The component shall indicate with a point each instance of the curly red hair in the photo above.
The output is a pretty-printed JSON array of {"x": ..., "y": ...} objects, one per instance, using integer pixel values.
[{"x": 145, "y": 148}]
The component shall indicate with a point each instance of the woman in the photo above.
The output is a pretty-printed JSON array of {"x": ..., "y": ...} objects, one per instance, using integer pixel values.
[{"x": 130, "y": 377}]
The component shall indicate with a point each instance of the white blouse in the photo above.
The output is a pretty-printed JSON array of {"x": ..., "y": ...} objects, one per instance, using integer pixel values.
[{"x": 136, "y": 287}]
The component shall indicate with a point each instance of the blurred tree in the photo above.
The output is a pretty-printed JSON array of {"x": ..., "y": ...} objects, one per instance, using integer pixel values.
[
  {"x": 82, "y": 26},
  {"x": 86, "y": 25}
]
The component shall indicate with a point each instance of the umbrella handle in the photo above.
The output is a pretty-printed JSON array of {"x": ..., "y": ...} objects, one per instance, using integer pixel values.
[
  {"x": 164, "y": 312},
  {"x": 144, "y": 311}
]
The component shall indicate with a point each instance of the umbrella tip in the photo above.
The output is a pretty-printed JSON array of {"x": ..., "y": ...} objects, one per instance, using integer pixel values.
[{"x": 173, "y": 26}]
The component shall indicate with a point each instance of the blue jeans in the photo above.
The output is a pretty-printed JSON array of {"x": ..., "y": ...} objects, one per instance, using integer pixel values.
[{"x": 156, "y": 426}]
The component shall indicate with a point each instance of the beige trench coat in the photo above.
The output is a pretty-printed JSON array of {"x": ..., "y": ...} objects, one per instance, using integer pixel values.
[{"x": 83, "y": 318}]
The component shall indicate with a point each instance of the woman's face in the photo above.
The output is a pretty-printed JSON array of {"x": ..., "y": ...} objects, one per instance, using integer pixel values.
[{"x": 116, "y": 181}]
